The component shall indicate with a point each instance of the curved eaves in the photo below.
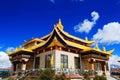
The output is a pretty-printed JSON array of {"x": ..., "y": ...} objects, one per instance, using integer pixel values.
[
  {"x": 73, "y": 37},
  {"x": 48, "y": 42}
]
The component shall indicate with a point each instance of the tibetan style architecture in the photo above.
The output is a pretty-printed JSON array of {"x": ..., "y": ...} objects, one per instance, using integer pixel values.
[{"x": 61, "y": 51}]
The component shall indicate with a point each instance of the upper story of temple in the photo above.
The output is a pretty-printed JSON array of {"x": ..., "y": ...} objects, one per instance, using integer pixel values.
[{"x": 61, "y": 40}]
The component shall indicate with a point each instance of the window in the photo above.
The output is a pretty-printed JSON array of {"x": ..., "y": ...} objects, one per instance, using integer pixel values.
[
  {"x": 77, "y": 62},
  {"x": 48, "y": 61},
  {"x": 64, "y": 61},
  {"x": 37, "y": 62}
]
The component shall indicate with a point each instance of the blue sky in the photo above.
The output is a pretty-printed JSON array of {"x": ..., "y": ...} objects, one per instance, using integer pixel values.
[{"x": 23, "y": 19}]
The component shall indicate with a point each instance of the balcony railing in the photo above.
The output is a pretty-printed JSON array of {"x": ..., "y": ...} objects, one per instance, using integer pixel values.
[{"x": 68, "y": 71}]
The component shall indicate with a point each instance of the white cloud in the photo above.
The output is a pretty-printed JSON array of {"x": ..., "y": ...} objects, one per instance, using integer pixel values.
[
  {"x": 95, "y": 16},
  {"x": 114, "y": 60},
  {"x": 4, "y": 60},
  {"x": 53, "y": 1},
  {"x": 110, "y": 34},
  {"x": 87, "y": 25},
  {"x": 11, "y": 49}
]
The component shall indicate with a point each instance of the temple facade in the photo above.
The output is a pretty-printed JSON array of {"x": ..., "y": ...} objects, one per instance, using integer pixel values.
[{"x": 60, "y": 50}]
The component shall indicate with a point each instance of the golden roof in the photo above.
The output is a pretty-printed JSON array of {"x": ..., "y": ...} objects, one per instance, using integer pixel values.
[
  {"x": 76, "y": 38},
  {"x": 32, "y": 40},
  {"x": 17, "y": 50},
  {"x": 97, "y": 49},
  {"x": 58, "y": 29}
]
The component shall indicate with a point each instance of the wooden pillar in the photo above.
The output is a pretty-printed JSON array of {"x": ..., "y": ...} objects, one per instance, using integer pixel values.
[
  {"x": 81, "y": 65},
  {"x": 14, "y": 67},
  {"x": 92, "y": 66},
  {"x": 105, "y": 66}
]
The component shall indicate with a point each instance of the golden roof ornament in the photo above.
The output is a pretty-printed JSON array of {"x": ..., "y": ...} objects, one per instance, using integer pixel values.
[
  {"x": 97, "y": 47},
  {"x": 104, "y": 49},
  {"x": 59, "y": 24},
  {"x": 110, "y": 51},
  {"x": 86, "y": 38}
]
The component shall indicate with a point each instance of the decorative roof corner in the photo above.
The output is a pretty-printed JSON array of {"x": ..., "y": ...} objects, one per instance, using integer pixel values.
[
  {"x": 9, "y": 53},
  {"x": 97, "y": 47},
  {"x": 110, "y": 51}
]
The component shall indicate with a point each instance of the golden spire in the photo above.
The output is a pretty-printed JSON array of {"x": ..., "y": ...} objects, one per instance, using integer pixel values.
[
  {"x": 59, "y": 24},
  {"x": 59, "y": 21},
  {"x": 104, "y": 49},
  {"x": 97, "y": 47},
  {"x": 86, "y": 38}
]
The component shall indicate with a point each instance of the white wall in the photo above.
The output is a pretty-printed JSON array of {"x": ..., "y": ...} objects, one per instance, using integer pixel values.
[
  {"x": 70, "y": 58},
  {"x": 57, "y": 58},
  {"x": 42, "y": 58}
]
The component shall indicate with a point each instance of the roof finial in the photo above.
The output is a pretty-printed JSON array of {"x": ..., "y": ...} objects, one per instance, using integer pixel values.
[
  {"x": 86, "y": 38},
  {"x": 59, "y": 21},
  {"x": 104, "y": 49},
  {"x": 59, "y": 24},
  {"x": 97, "y": 47}
]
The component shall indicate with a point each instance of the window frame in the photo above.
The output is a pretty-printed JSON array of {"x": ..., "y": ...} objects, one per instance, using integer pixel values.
[{"x": 64, "y": 61}]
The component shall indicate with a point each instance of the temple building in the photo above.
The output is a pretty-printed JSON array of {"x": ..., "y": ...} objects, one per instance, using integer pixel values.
[{"x": 60, "y": 50}]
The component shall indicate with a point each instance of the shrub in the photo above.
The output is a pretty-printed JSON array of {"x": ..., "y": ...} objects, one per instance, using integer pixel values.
[
  {"x": 27, "y": 79},
  {"x": 31, "y": 78},
  {"x": 100, "y": 78},
  {"x": 86, "y": 75},
  {"x": 60, "y": 77},
  {"x": 13, "y": 78},
  {"x": 47, "y": 74}
]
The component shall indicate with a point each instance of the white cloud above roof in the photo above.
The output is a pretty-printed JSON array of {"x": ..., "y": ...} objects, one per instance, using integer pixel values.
[
  {"x": 87, "y": 25},
  {"x": 110, "y": 34},
  {"x": 4, "y": 60}
]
